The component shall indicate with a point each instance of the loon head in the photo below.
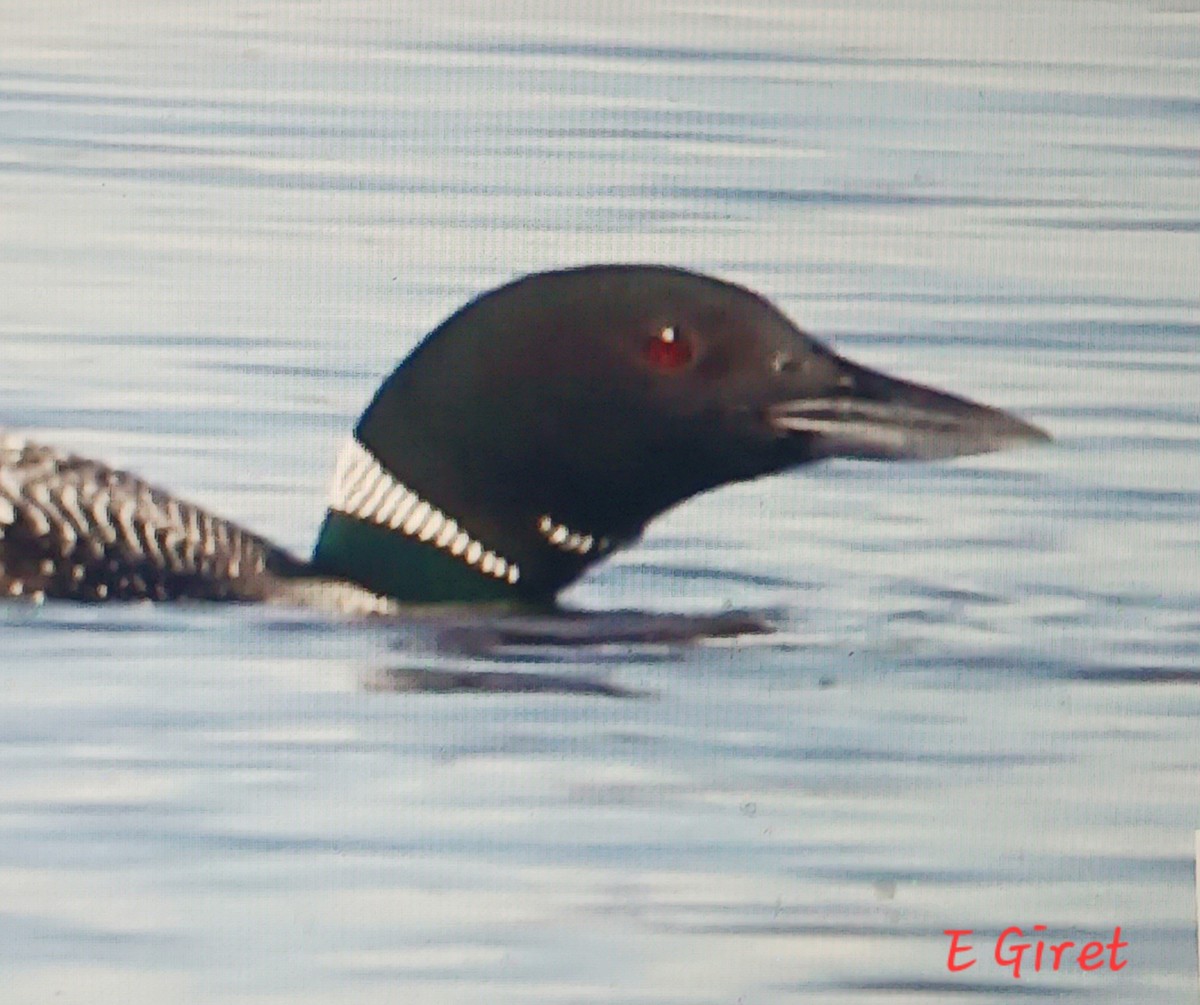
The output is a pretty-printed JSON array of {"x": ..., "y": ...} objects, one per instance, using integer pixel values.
[{"x": 547, "y": 422}]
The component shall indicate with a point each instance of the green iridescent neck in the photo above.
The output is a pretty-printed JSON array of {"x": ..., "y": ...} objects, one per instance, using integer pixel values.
[{"x": 399, "y": 567}]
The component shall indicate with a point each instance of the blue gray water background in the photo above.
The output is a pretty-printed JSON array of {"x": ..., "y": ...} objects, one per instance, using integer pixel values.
[{"x": 220, "y": 225}]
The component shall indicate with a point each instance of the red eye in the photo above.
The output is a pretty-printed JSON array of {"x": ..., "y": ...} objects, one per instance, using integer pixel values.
[{"x": 668, "y": 349}]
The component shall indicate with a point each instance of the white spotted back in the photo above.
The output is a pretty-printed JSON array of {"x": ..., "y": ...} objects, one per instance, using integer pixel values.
[{"x": 77, "y": 529}]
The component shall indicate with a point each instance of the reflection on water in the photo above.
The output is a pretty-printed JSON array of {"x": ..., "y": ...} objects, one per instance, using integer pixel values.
[{"x": 219, "y": 228}]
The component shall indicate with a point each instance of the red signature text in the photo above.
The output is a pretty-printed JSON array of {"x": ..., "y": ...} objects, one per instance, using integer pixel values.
[{"x": 1021, "y": 954}]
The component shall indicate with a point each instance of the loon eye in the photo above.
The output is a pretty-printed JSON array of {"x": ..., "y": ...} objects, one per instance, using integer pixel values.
[{"x": 668, "y": 349}]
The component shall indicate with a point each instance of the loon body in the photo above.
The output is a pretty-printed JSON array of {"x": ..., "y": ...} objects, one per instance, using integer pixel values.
[
  {"x": 534, "y": 432},
  {"x": 75, "y": 529}
]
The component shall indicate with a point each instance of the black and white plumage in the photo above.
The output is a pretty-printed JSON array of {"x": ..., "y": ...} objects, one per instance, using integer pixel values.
[{"x": 76, "y": 529}]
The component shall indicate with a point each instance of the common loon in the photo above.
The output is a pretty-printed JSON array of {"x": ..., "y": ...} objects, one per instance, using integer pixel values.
[{"x": 529, "y": 436}]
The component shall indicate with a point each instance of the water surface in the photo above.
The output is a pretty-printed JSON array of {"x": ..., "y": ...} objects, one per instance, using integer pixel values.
[{"x": 220, "y": 228}]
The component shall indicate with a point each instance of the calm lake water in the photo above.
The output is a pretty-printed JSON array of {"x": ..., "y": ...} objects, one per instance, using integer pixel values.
[{"x": 221, "y": 225}]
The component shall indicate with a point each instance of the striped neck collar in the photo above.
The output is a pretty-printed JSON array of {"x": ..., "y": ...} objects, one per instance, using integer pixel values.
[{"x": 365, "y": 490}]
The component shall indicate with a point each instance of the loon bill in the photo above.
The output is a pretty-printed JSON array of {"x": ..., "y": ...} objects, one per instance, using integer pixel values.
[{"x": 531, "y": 434}]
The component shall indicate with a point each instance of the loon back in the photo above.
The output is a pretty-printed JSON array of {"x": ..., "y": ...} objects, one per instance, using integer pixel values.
[{"x": 75, "y": 529}]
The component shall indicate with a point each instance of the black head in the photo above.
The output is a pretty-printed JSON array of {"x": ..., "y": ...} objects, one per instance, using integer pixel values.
[{"x": 570, "y": 408}]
